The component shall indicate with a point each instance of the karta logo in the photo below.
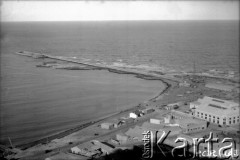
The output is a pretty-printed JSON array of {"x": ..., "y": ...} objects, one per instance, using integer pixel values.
[
  {"x": 224, "y": 149},
  {"x": 148, "y": 139}
]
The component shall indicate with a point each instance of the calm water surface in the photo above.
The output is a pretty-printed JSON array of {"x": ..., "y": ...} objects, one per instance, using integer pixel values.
[{"x": 36, "y": 102}]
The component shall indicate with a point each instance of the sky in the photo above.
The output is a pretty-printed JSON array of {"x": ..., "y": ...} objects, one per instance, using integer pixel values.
[{"x": 119, "y": 10}]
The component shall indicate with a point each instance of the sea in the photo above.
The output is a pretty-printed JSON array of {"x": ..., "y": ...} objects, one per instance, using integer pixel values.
[{"x": 37, "y": 102}]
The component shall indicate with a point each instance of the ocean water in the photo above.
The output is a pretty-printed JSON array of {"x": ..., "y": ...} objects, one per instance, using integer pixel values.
[
  {"x": 36, "y": 102},
  {"x": 172, "y": 45}
]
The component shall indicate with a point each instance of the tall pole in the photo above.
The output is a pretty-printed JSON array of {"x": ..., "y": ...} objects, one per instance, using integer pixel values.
[{"x": 10, "y": 142}]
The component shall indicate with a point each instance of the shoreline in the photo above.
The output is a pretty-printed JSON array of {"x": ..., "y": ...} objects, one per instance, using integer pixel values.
[
  {"x": 64, "y": 133},
  {"x": 67, "y": 132}
]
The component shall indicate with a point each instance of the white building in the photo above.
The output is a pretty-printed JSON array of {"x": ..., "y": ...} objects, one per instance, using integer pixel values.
[
  {"x": 135, "y": 114},
  {"x": 156, "y": 121},
  {"x": 168, "y": 119},
  {"x": 76, "y": 150},
  {"x": 217, "y": 111}
]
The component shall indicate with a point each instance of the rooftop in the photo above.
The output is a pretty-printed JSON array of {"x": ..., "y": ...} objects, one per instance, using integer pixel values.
[
  {"x": 191, "y": 121},
  {"x": 218, "y": 106},
  {"x": 151, "y": 127}
]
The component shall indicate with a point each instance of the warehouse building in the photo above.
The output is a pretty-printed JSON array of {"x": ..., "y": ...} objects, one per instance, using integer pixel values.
[
  {"x": 107, "y": 125},
  {"x": 190, "y": 125},
  {"x": 156, "y": 120},
  {"x": 152, "y": 127},
  {"x": 181, "y": 115},
  {"x": 218, "y": 111}
]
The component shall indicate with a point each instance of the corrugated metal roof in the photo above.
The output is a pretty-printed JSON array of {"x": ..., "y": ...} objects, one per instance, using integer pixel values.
[{"x": 230, "y": 108}]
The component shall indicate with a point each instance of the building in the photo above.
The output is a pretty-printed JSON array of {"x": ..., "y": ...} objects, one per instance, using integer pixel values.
[
  {"x": 85, "y": 150},
  {"x": 168, "y": 118},
  {"x": 173, "y": 106},
  {"x": 159, "y": 118},
  {"x": 104, "y": 148},
  {"x": 174, "y": 131},
  {"x": 181, "y": 115},
  {"x": 136, "y": 133},
  {"x": 135, "y": 114},
  {"x": 127, "y": 120},
  {"x": 148, "y": 110},
  {"x": 220, "y": 86},
  {"x": 190, "y": 125},
  {"x": 122, "y": 138},
  {"x": 156, "y": 121},
  {"x": 218, "y": 111},
  {"x": 76, "y": 150},
  {"x": 152, "y": 127},
  {"x": 107, "y": 125},
  {"x": 117, "y": 123}
]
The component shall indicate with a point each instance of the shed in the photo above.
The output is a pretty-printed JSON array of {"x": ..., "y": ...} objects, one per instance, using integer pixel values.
[
  {"x": 76, "y": 150},
  {"x": 156, "y": 121},
  {"x": 117, "y": 123},
  {"x": 133, "y": 115},
  {"x": 107, "y": 126},
  {"x": 148, "y": 110}
]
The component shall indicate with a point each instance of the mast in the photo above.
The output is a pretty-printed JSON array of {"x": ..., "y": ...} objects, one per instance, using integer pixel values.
[{"x": 10, "y": 141}]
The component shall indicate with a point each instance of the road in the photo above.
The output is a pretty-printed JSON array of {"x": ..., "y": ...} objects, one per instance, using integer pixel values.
[{"x": 43, "y": 155}]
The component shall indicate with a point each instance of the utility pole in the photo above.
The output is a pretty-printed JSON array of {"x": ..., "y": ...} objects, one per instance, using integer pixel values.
[{"x": 10, "y": 142}]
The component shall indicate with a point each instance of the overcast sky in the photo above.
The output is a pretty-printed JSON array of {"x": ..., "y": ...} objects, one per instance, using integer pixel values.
[{"x": 120, "y": 10}]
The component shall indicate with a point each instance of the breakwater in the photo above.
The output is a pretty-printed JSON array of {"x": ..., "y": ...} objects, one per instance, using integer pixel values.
[
  {"x": 139, "y": 74},
  {"x": 168, "y": 81}
]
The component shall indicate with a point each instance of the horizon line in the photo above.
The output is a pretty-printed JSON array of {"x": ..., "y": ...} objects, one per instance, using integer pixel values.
[{"x": 130, "y": 20}]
